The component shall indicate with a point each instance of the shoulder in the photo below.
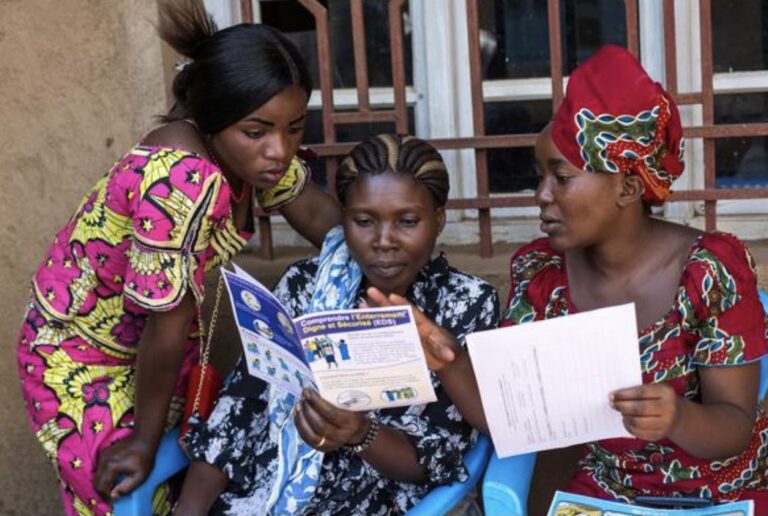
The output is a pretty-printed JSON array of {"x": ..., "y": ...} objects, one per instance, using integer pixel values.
[
  {"x": 455, "y": 300},
  {"x": 532, "y": 259},
  {"x": 177, "y": 135},
  {"x": 443, "y": 277},
  {"x": 718, "y": 250},
  {"x": 720, "y": 270},
  {"x": 295, "y": 287}
]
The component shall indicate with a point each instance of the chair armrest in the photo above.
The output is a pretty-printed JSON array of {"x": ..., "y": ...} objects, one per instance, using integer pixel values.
[
  {"x": 169, "y": 460},
  {"x": 506, "y": 485},
  {"x": 442, "y": 499},
  {"x": 764, "y": 360}
]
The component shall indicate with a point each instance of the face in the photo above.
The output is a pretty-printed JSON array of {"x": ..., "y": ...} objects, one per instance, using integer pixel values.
[
  {"x": 258, "y": 149},
  {"x": 578, "y": 208},
  {"x": 391, "y": 224}
]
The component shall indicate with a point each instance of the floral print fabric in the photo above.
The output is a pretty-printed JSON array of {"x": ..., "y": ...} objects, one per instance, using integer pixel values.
[
  {"x": 234, "y": 438},
  {"x": 716, "y": 320},
  {"x": 145, "y": 235}
]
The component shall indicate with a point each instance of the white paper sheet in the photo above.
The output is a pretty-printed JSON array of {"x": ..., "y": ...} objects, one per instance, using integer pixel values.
[{"x": 546, "y": 384}]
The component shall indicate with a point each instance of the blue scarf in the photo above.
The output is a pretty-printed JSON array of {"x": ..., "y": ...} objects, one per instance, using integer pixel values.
[{"x": 298, "y": 470}]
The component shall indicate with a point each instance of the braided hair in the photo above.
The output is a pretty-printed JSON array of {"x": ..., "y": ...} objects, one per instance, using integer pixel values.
[
  {"x": 231, "y": 72},
  {"x": 396, "y": 154}
]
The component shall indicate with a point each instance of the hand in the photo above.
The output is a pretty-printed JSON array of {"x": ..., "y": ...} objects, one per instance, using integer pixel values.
[
  {"x": 133, "y": 458},
  {"x": 325, "y": 427},
  {"x": 440, "y": 347},
  {"x": 650, "y": 411}
]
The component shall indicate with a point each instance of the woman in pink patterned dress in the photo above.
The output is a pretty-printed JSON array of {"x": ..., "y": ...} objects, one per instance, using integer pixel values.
[{"x": 110, "y": 333}]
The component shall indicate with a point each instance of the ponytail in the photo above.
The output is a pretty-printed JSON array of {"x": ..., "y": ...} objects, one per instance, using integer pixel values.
[{"x": 232, "y": 72}]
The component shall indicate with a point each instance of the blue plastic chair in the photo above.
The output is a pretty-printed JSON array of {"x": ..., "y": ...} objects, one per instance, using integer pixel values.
[
  {"x": 507, "y": 481},
  {"x": 170, "y": 459}
]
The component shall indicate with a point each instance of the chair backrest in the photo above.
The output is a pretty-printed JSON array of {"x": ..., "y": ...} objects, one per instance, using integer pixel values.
[{"x": 763, "y": 361}]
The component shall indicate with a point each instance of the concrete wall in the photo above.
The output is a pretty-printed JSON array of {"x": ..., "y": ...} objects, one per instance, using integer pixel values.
[{"x": 80, "y": 81}]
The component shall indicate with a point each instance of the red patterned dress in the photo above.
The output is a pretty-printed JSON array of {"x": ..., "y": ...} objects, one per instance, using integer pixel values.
[
  {"x": 716, "y": 320},
  {"x": 143, "y": 237}
]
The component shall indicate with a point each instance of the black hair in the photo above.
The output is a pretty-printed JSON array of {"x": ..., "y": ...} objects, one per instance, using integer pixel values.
[
  {"x": 397, "y": 154},
  {"x": 231, "y": 72}
]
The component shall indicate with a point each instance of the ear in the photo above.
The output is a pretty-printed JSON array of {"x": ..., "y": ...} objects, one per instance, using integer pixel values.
[
  {"x": 440, "y": 216},
  {"x": 632, "y": 189}
]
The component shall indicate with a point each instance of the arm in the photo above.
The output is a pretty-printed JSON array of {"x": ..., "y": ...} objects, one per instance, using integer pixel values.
[
  {"x": 202, "y": 485},
  {"x": 159, "y": 359},
  {"x": 328, "y": 428},
  {"x": 312, "y": 214},
  {"x": 717, "y": 428},
  {"x": 449, "y": 361}
]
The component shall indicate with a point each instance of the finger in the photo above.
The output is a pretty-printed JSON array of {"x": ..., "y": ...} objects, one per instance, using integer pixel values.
[
  {"x": 638, "y": 408},
  {"x": 648, "y": 428},
  {"x": 127, "y": 484},
  {"x": 313, "y": 438},
  {"x": 105, "y": 478},
  {"x": 639, "y": 392},
  {"x": 319, "y": 425},
  {"x": 377, "y": 297},
  {"x": 331, "y": 413},
  {"x": 440, "y": 348},
  {"x": 305, "y": 431}
]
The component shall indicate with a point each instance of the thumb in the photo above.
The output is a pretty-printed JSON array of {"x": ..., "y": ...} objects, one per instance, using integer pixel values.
[
  {"x": 376, "y": 297},
  {"x": 126, "y": 484},
  {"x": 440, "y": 350}
]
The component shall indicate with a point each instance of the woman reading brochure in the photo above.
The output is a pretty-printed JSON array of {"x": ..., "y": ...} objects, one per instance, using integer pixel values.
[
  {"x": 611, "y": 152},
  {"x": 260, "y": 452}
]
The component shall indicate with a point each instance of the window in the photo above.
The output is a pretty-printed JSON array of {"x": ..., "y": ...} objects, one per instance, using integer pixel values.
[
  {"x": 515, "y": 48},
  {"x": 740, "y": 57}
]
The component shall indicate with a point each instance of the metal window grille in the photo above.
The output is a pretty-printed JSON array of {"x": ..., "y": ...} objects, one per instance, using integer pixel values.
[{"x": 331, "y": 150}]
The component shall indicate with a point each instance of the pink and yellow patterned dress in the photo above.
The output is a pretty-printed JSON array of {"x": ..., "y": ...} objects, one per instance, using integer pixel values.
[
  {"x": 716, "y": 320},
  {"x": 145, "y": 235}
]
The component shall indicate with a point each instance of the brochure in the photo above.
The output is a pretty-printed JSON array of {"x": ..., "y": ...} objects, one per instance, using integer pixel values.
[
  {"x": 358, "y": 359},
  {"x": 546, "y": 384},
  {"x": 567, "y": 504}
]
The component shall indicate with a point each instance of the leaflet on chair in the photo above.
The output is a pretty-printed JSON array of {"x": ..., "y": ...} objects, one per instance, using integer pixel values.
[
  {"x": 567, "y": 504},
  {"x": 359, "y": 359},
  {"x": 546, "y": 384}
]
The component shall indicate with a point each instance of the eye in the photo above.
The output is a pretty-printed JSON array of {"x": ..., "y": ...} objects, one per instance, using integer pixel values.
[
  {"x": 562, "y": 178},
  {"x": 409, "y": 222},
  {"x": 295, "y": 130},
  {"x": 254, "y": 135},
  {"x": 363, "y": 221}
]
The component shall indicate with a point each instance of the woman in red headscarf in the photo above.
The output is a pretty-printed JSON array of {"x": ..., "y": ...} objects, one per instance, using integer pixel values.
[{"x": 612, "y": 151}]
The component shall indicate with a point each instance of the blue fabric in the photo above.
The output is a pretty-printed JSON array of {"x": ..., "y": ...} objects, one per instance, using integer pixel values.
[{"x": 338, "y": 281}]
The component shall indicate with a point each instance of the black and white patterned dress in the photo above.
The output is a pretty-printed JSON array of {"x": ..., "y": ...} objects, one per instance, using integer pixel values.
[{"x": 235, "y": 440}]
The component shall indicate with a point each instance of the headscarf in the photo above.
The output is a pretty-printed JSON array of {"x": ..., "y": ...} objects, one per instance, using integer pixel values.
[
  {"x": 616, "y": 119},
  {"x": 298, "y": 468}
]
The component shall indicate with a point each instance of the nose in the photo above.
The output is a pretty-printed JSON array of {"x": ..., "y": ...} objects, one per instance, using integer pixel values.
[
  {"x": 543, "y": 195},
  {"x": 385, "y": 237},
  {"x": 278, "y": 149}
]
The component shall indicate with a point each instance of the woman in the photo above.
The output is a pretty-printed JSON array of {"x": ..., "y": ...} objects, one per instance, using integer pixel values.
[
  {"x": 110, "y": 333},
  {"x": 612, "y": 151},
  {"x": 393, "y": 191}
]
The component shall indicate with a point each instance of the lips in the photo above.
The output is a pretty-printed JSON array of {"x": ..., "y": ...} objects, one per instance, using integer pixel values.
[
  {"x": 387, "y": 269},
  {"x": 549, "y": 224},
  {"x": 273, "y": 175}
]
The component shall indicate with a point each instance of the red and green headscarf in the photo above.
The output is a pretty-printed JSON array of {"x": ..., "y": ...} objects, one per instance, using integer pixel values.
[{"x": 615, "y": 119}]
